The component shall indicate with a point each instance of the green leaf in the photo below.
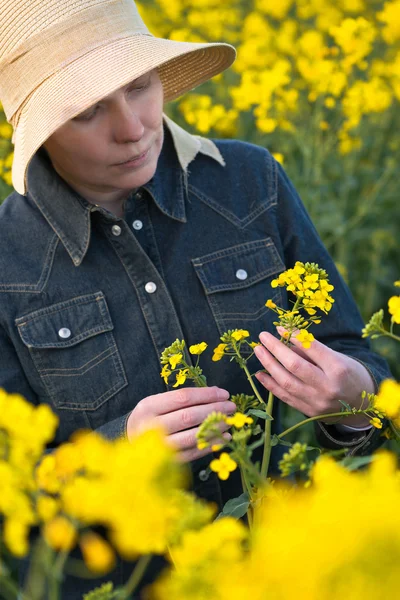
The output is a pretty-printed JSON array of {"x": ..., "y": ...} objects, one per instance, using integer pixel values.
[
  {"x": 275, "y": 440},
  {"x": 352, "y": 463},
  {"x": 260, "y": 413},
  {"x": 236, "y": 507},
  {"x": 347, "y": 406},
  {"x": 256, "y": 444}
]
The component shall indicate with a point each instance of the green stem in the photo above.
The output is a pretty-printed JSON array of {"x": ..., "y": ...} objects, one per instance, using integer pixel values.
[
  {"x": 319, "y": 418},
  {"x": 267, "y": 439},
  {"x": 55, "y": 575},
  {"x": 255, "y": 390},
  {"x": 247, "y": 490},
  {"x": 136, "y": 576},
  {"x": 392, "y": 335},
  {"x": 9, "y": 589}
]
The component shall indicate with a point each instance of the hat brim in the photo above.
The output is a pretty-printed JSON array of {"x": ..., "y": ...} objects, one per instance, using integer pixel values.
[{"x": 182, "y": 66}]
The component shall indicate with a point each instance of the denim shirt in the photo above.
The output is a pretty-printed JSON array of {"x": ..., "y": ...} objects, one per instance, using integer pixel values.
[{"x": 88, "y": 300}]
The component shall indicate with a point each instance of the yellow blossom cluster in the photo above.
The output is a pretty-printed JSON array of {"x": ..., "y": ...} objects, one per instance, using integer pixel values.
[
  {"x": 24, "y": 432},
  {"x": 231, "y": 343},
  {"x": 311, "y": 287},
  {"x": 288, "y": 527},
  {"x": 133, "y": 489},
  {"x": 209, "y": 433},
  {"x": 174, "y": 357},
  {"x": 309, "y": 283}
]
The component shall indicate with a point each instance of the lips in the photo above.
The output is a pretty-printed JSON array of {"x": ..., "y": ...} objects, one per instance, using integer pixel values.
[{"x": 133, "y": 158}]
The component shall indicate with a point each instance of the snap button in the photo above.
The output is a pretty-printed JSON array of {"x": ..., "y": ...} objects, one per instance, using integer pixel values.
[
  {"x": 204, "y": 475},
  {"x": 137, "y": 224},
  {"x": 64, "y": 333},
  {"x": 139, "y": 195},
  {"x": 150, "y": 287},
  {"x": 241, "y": 274},
  {"x": 116, "y": 230}
]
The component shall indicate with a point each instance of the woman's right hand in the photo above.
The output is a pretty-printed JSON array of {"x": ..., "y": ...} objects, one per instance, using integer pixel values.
[{"x": 179, "y": 413}]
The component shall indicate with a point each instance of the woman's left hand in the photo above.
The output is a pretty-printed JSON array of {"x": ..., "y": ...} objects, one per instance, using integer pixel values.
[{"x": 313, "y": 380}]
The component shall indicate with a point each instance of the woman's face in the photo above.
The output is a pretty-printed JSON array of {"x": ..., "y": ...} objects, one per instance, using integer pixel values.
[{"x": 88, "y": 150}]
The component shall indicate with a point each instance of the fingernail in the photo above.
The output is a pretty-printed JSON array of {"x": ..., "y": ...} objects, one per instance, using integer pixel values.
[
  {"x": 258, "y": 351},
  {"x": 222, "y": 394}
]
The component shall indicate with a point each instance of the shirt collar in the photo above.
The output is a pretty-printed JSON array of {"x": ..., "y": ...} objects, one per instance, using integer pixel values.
[{"x": 69, "y": 214}]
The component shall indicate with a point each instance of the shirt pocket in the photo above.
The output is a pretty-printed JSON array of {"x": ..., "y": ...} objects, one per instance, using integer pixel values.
[
  {"x": 237, "y": 283},
  {"x": 74, "y": 351}
]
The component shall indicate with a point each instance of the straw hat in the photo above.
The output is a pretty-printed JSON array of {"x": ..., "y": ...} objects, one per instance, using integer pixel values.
[{"x": 59, "y": 57}]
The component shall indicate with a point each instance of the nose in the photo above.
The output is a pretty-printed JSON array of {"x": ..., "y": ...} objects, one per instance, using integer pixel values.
[{"x": 127, "y": 125}]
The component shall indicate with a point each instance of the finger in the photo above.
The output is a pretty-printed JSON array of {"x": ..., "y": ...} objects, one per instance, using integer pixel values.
[
  {"x": 284, "y": 378},
  {"x": 194, "y": 453},
  {"x": 183, "y": 440},
  {"x": 189, "y": 417},
  {"x": 319, "y": 353},
  {"x": 273, "y": 386},
  {"x": 296, "y": 365},
  {"x": 166, "y": 402}
]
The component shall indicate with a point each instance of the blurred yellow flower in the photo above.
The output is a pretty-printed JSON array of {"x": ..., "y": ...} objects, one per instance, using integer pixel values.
[
  {"x": 98, "y": 555},
  {"x": 60, "y": 534},
  {"x": 387, "y": 401},
  {"x": 223, "y": 466},
  {"x": 394, "y": 308},
  {"x": 239, "y": 420}
]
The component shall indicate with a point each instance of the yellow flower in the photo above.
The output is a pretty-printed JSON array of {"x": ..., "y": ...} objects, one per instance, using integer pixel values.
[
  {"x": 375, "y": 422},
  {"x": 240, "y": 334},
  {"x": 198, "y": 348},
  {"x": 305, "y": 338},
  {"x": 16, "y": 537},
  {"x": 278, "y": 157},
  {"x": 223, "y": 466},
  {"x": 270, "y": 304},
  {"x": 47, "y": 507},
  {"x": 181, "y": 377},
  {"x": 60, "y": 534},
  {"x": 394, "y": 308},
  {"x": 219, "y": 352},
  {"x": 165, "y": 373},
  {"x": 98, "y": 555},
  {"x": 387, "y": 401},
  {"x": 174, "y": 360},
  {"x": 238, "y": 420}
]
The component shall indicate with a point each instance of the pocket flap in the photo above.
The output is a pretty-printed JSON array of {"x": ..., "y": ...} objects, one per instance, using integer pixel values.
[
  {"x": 238, "y": 267},
  {"x": 66, "y": 323}
]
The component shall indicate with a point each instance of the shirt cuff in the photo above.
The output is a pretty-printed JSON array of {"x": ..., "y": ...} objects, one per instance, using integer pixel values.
[{"x": 343, "y": 428}]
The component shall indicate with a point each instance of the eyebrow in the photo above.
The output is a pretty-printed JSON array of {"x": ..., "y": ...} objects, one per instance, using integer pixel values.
[{"x": 89, "y": 108}]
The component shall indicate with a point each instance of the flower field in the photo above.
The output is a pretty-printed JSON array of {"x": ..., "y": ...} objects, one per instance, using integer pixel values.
[{"x": 317, "y": 82}]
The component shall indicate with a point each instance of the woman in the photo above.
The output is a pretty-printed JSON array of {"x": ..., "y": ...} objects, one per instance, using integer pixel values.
[{"x": 125, "y": 232}]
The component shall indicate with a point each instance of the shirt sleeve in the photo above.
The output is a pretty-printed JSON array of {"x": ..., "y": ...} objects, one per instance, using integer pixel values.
[{"x": 341, "y": 328}]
